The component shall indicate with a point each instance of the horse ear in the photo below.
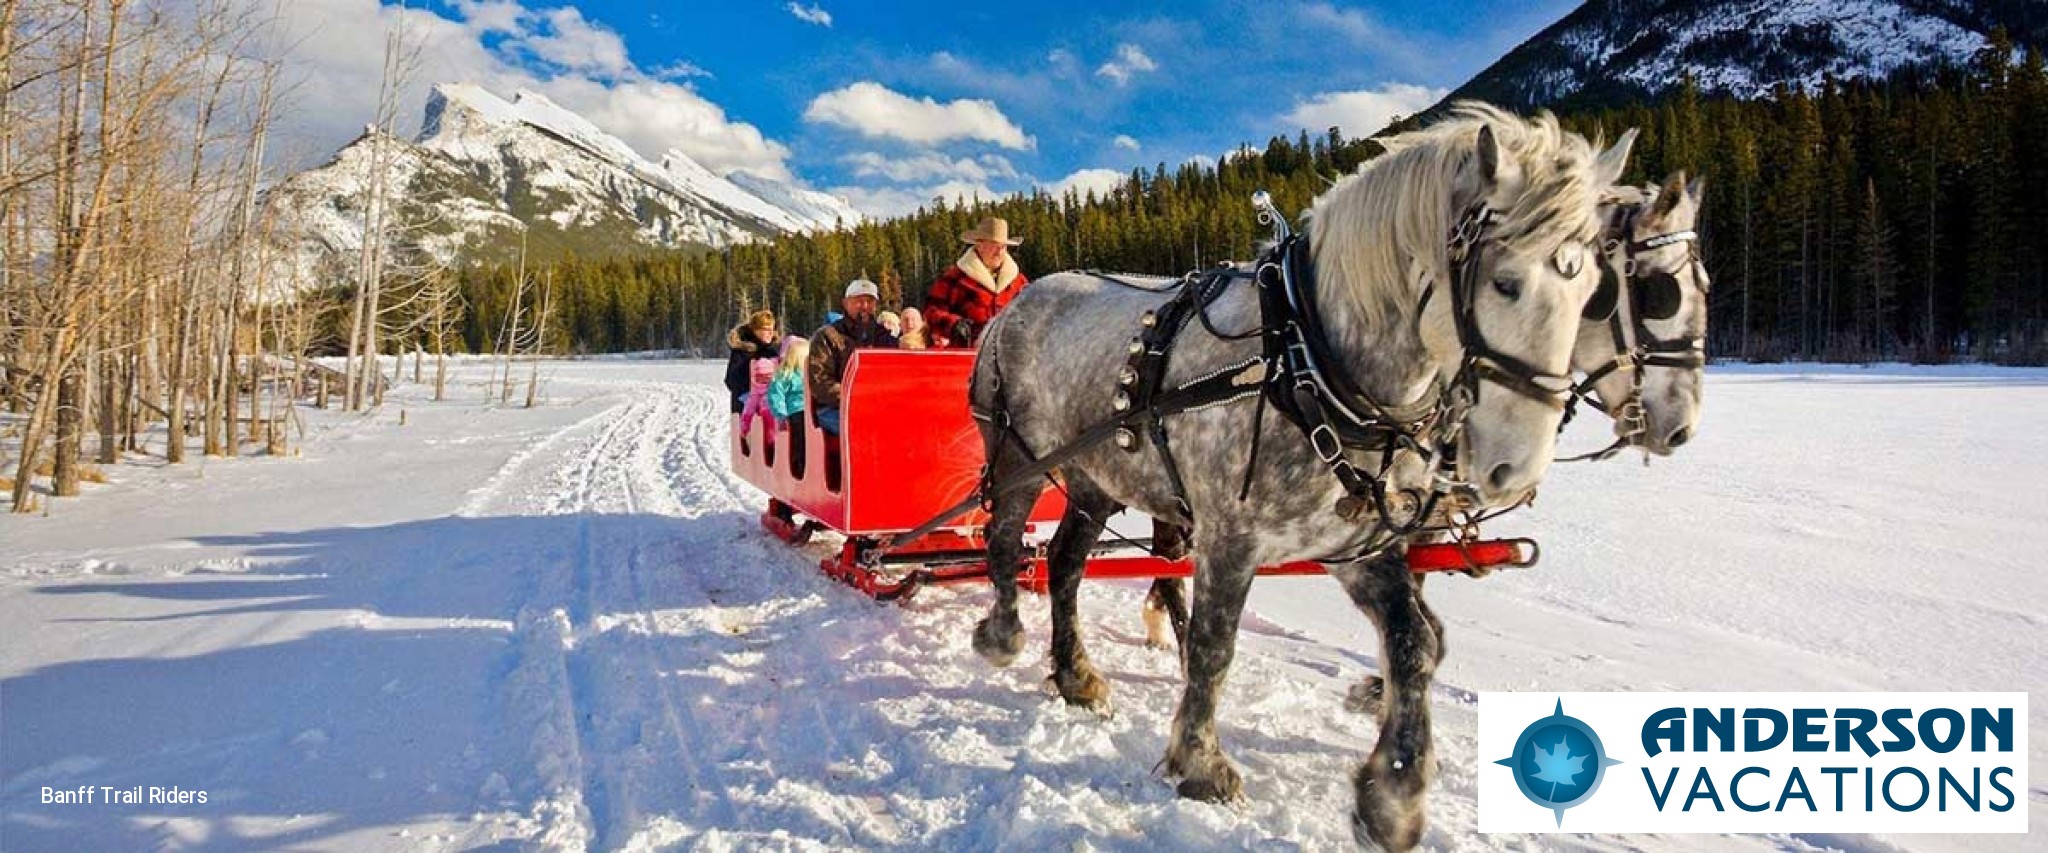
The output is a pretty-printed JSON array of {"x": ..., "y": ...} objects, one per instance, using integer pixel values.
[
  {"x": 1669, "y": 196},
  {"x": 1612, "y": 162},
  {"x": 1697, "y": 189},
  {"x": 1488, "y": 149}
]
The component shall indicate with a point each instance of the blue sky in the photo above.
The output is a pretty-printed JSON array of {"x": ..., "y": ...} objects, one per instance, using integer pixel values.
[{"x": 891, "y": 103}]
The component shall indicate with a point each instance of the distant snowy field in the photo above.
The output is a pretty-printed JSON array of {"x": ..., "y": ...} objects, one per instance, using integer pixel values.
[{"x": 562, "y": 628}]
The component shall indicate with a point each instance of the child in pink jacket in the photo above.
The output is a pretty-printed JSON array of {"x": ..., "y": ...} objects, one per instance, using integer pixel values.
[{"x": 760, "y": 372}]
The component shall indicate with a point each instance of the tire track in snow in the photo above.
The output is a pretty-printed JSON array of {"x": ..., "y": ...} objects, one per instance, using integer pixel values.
[
  {"x": 549, "y": 688},
  {"x": 616, "y": 736}
]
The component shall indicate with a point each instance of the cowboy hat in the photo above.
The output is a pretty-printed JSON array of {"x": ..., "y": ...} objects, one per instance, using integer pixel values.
[{"x": 993, "y": 228}]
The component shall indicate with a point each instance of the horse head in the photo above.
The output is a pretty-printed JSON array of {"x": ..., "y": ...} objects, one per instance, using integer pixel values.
[
  {"x": 1495, "y": 239},
  {"x": 1642, "y": 341}
]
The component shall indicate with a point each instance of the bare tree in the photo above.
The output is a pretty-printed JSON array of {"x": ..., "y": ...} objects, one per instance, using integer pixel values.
[{"x": 401, "y": 63}]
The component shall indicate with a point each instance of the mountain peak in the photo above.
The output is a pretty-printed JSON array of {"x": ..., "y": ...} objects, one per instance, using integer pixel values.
[
  {"x": 1607, "y": 51},
  {"x": 491, "y": 168}
]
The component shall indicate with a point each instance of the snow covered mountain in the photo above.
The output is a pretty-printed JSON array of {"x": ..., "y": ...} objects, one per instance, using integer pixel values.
[
  {"x": 484, "y": 171},
  {"x": 1612, "y": 50}
]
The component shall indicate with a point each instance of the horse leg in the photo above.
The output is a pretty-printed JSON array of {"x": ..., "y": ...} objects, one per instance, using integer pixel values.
[
  {"x": 999, "y": 636},
  {"x": 1368, "y": 696},
  {"x": 1166, "y": 606},
  {"x": 1223, "y": 578},
  {"x": 1390, "y": 786},
  {"x": 1088, "y": 510}
]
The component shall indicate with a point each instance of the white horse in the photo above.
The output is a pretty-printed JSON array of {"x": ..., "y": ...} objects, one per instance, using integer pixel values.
[
  {"x": 1463, "y": 323},
  {"x": 1641, "y": 347}
]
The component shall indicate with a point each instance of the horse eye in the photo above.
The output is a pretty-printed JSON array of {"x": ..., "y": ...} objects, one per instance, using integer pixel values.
[{"x": 1508, "y": 287}]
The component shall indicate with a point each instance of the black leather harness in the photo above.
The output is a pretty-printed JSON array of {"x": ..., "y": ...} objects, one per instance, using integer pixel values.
[{"x": 1297, "y": 374}]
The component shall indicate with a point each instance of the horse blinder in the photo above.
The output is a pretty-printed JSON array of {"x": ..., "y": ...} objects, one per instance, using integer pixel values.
[
  {"x": 1656, "y": 296},
  {"x": 1605, "y": 297}
]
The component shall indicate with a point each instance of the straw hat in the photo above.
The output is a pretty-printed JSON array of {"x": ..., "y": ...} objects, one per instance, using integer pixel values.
[{"x": 993, "y": 228}]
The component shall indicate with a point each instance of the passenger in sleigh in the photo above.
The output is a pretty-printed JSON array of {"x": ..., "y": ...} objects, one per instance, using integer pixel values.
[
  {"x": 832, "y": 347},
  {"x": 786, "y": 397},
  {"x": 748, "y": 341},
  {"x": 977, "y": 286}
]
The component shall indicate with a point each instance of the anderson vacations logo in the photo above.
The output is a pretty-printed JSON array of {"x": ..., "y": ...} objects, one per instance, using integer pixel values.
[{"x": 1753, "y": 762}]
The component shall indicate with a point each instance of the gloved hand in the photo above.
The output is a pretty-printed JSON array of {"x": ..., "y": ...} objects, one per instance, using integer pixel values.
[{"x": 963, "y": 333}]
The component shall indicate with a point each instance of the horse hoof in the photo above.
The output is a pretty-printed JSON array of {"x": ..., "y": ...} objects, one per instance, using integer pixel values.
[
  {"x": 1220, "y": 784},
  {"x": 1366, "y": 697},
  {"x": 998, "y": 643},
  {"x": 1392, "y": 811},
  {"x": 1219, "y": 790},
  {"x": 1083, "y": 690}
]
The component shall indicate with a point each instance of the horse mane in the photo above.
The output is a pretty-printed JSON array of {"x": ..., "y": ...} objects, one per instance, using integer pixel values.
[{"x": 1398, "y": 206}]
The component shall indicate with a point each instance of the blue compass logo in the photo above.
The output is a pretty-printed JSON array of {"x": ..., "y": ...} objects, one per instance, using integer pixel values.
[{"x": 1558, "y": 762}]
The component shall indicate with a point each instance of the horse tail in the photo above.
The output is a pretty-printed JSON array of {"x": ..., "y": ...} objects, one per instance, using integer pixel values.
[
  {"x": 985, "y": 392},
  {"x": 986, "y": 402}
]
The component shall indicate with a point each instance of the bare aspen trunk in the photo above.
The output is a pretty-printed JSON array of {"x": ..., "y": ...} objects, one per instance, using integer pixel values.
[
  {"x": 231, "y": 382},
  {"x": 23, "y": 499},
  {"x": 174, "y": 407},
  {"x": 210, "y": 380},
  {"x": 109, "y": 386},
  {"x": 70, "y": 419},
  {"x": 540, "y": 331}
]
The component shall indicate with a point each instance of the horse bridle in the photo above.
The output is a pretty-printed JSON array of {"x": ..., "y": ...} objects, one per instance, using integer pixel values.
[
  {"x": 1482, "y": 362},
  {"x": 1655, "y": 296}
]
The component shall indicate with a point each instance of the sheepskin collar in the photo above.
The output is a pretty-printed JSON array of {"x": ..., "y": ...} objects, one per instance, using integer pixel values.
[{"x": 971, "y": 264}]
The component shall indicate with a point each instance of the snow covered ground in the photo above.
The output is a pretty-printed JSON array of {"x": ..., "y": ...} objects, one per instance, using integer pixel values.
[{"x": 562, "y": 628}]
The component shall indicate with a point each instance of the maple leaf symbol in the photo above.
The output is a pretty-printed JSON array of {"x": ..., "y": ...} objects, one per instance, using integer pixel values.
[{"x": 1558, "y": 766}]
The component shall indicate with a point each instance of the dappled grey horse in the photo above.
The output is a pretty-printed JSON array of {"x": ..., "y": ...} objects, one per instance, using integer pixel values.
[
  {"x": 1428, "y": 307},
  {"x": 1641, "y": 346}
]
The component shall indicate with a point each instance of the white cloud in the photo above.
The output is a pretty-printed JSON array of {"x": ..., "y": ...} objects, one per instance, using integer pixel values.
[
  {"x": 655, "y": 116},
  {"x": 564, "y": 39},
  {"x": 1388, "y": 46},
  {"x": 1130, "y": 59},
  {"x": 1064, "y": 64},
  {"x": 1364, "y": 112},
  {"x": 1125, "y": 142},
  {"x": 812, "y": 14},
  {"x": 1098, "y": 181},
  {"x": 681, "y": 69},
  {"x": 875, "y": 110},
  {"x": 929, "y": 166},
  {"x": 503, "y": 46},
  {"x": 491, "y": 16},
  {"x": 891, "y": 202},
  {"x": 1349, "y": 23}
]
